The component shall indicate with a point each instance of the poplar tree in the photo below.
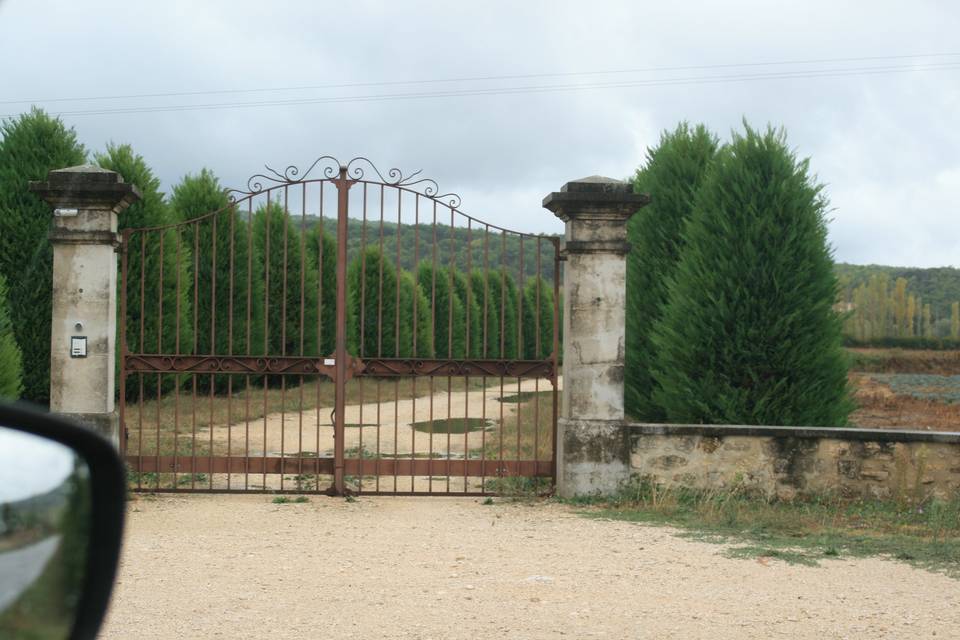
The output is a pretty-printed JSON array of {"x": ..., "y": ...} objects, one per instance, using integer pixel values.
[
  {"x": 749, "y": 334},
  {"x": 671, "y": 176},
  {"x": 31, "y": 145}
]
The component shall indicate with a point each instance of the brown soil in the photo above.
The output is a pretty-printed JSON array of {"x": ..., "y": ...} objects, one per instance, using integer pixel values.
[
  {"x": 241, "y": 567},
  {"x": 878, "y": 407},
  {"x": 945, "y": 363}
]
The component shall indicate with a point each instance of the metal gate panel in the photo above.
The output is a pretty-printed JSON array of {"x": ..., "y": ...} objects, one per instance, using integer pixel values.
[{"x": 338, "y": 331}]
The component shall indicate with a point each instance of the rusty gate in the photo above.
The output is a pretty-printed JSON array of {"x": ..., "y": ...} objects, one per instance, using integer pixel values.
[{"x": 336, "y": 330}]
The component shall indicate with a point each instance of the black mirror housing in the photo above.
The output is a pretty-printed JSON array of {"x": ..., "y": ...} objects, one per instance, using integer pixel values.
[{"x": 107, "y": 488}]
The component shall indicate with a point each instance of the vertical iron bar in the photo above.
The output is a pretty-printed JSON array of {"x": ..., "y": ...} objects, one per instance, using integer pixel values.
[
  {"x": 486, "y": 320},
  {"x": 266, "y": 327},
  {"x": 539, "y": 356},
  {"x": 433, "y": 330},
  {"x": 380, "y": 259},
  {"x": 176, "y": 380},
  {"x": 519, "y": 355},
  {"x": 143, "y": 261},
  {"x": 246, "y": 433},
  {"x": 283, "y": 330},
  {"x": 555, "y": 356},
  {"x": 450, "y": 354},
  {"x": 363, "y": 315},
  {"x": 320, "y": 308},
  {"x": 303, "y": 307},
  {"x": 396, "y": 344},
  {"x": 340, "y": 358},
  {"x": 196, "y": 349},
  {"x": 160, "y": 327},
  {"x": 124, "y": 249},
  {"x": 213, "y": 339},
  {"x": 416, "y": 352},
  {"x": 233, "y": 224}
]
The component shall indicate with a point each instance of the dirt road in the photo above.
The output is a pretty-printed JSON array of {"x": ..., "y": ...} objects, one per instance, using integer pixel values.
[{"x": 242, "y": 567}]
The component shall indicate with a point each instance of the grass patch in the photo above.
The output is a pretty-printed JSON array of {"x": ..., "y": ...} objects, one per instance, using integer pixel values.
[
  {"x": 288, "y": 500},
  {"x": 523, "y": 396},
  {"x": 453, "y": 425},
  {"x": 802, "y": 531},
  {"x": 527, "y": 435}
]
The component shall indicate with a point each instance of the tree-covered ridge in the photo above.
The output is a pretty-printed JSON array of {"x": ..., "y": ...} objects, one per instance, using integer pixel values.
[
  {"x": 899, "y": 302},
  {"x": 493, "y": 249},
  {"x": 937, "y": 286}
]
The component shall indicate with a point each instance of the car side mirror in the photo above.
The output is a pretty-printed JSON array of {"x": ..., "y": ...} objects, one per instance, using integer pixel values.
[{"x": 62, "y": 495}]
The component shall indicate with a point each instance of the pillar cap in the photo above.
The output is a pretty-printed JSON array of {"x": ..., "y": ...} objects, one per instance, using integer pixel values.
[
  {"x": 595, "y": 197},
  {"x": 86, "y": 186}
]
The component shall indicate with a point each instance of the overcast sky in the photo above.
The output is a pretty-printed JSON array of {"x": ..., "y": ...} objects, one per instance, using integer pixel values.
[{"x": 885, "y": 143}]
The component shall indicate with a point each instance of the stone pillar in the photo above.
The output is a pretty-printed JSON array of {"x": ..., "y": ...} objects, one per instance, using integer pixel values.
[
  {"x": 85, "y": 201},
  {"x": 593, "y": 454}
]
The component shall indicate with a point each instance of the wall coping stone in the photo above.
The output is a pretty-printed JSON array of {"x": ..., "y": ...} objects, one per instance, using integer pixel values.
[{"x": 815, "y": 433}]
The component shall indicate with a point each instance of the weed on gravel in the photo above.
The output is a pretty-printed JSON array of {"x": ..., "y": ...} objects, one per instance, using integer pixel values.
[{"x": 800, "y": 531}]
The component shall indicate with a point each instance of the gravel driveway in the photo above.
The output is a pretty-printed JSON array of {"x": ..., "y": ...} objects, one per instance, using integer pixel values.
[{"x": 241, "y": 567}]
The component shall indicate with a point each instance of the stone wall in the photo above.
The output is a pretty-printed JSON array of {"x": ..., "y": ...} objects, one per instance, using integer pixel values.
[{"x": 788, "y": 461}]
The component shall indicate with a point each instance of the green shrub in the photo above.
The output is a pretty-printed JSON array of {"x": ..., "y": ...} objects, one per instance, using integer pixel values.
[
  {"x": 372, "y": 299},
  {"x": 290, "y": 285},
  {"x": 322, "y": 253},
  {"x": 488, "y": 333},
  {"x": 537, "y": 319},
  {"x": 11, "y": 361},
  {"x": 151, "y": 211},
  {"x": 32, "y": 145},
  {"x": 414, "y": 303},
  {"x": 237, "y": 326},
  {"x": 749, "y": 334},
  {"x": 446, "y": 313},
  {"x": 473, "y": 338},
  {"x": 672, "y": 175}
]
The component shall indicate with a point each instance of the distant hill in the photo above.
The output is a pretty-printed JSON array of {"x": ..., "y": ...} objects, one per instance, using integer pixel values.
[
  {"x": 938, "y": 286},
  {"x": 417, "y": 244}
]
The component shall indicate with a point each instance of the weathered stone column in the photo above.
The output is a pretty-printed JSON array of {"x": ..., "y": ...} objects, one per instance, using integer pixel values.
[
  {"x": 85, "y": 201},
  {"x": 593, "y": 448}
]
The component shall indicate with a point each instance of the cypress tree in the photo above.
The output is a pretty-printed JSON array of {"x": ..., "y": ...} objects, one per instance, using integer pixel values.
[
  {"x": 749, "y": 334},
  {"x": 512, "y": 316},
  {"x": 501, "y": 293},
  {"x": 472, "y": 315},
  {"x": 488, "y": 333},
  {"x": 445, "y": 310},
  {"x": 322, "y": 254},
  {"x": 200, "y": 197},
  {"x": 290, "y": 311},
  {"x": 414, "y": 303},
  {"x": 537, "y": 314},
  {"x": 151, "y": 211},
  {"x": 32, "y": 145},
  {"x": 11, "y": 361},
  {"x": 671, "y": 176},
  {"x": 372, "y": 305}
]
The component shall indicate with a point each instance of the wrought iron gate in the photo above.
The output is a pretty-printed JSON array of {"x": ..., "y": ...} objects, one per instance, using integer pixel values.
[{"x": 338, "y": 331}]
